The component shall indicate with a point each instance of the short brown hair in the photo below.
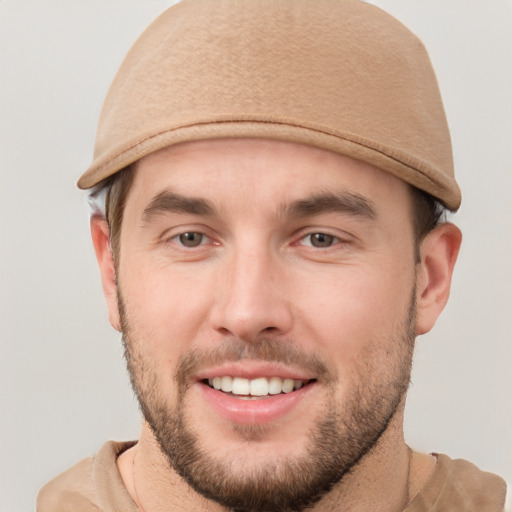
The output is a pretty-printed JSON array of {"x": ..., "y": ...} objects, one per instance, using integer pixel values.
[{"x": 117, "y": 187}]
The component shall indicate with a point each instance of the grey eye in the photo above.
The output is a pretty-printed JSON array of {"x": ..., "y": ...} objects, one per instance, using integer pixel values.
[
  {"x": 321, "y": 240},
  {"x": 191, "y": 239}
]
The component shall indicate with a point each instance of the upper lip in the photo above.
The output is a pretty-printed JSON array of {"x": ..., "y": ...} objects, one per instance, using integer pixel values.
[{"x": 250, "y": 369}]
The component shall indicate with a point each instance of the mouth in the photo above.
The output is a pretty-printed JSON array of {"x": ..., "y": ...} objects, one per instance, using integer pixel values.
[
  {"x": 253, "y": 392},
  {"x": 256, "y": 388}
]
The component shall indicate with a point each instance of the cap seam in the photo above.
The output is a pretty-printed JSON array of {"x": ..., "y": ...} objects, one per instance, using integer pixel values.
[{"x": 361, "y": 141}]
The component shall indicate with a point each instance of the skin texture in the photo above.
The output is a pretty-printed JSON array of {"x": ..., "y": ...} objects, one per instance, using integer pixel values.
[{"x": 262, "y": 294}]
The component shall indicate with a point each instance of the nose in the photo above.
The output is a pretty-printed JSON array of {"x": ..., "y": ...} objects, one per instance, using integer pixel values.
[{"x": 252, "y": 300}]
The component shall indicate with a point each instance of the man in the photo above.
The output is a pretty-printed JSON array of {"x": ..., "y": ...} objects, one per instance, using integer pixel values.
[{"x": 271, "y": 243}]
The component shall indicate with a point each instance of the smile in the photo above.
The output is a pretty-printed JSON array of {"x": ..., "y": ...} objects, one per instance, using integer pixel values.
[{"x": 258, "y": 387}]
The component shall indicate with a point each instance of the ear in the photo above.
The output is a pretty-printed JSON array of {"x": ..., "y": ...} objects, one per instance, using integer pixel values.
[
  {"x": 438, "y": 254},
  {"x": 100, "y": 233}
]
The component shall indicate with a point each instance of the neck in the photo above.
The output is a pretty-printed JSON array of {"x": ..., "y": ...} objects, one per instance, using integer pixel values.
[
  {"x": 379, "y": 482},
  {"x": 152, "y": 484},
  {"x": 385, "y": 479}
]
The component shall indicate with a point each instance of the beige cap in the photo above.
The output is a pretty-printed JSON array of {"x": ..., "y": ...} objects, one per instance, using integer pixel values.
[{"x": 340, "y": 75}]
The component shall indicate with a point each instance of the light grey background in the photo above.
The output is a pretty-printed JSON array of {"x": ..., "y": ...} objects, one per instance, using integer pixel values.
[{"x": 64, "y": 390}]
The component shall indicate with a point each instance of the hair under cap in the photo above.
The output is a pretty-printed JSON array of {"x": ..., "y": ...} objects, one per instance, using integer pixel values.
[{"x": 340, "y": 75}]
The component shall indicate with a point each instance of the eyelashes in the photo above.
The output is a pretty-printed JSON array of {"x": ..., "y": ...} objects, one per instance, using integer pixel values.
[
  {"x": 194, "y": 239},
  {"x": 191, "y": 239},
  {"x": 319, "y": 240}
]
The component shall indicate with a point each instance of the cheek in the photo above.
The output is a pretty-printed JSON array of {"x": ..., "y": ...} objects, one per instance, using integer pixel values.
[
  {"x": 165, "y": 310},
  {"x": 355, "y": 310}
]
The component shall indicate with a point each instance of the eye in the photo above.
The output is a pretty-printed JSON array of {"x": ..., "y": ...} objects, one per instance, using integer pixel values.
[
  {"x": 319, "y": 240},
  {"x": 190, "y": 239}
]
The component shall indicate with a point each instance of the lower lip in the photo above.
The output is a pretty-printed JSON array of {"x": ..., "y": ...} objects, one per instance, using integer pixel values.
[{"x": 253, "y": 411}]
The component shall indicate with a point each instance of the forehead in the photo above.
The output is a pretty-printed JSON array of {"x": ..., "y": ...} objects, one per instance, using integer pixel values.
[{"x": 268, "y": 170}]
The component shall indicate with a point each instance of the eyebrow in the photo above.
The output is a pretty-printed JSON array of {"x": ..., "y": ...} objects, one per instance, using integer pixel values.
[
  {"x": 344, "y": 202},
  {"x": 171, "y": 202},
  {"x": 348, "y": 203}
]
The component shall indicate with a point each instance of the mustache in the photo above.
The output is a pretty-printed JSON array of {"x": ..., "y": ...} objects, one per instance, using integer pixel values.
[{"x": 264, "y": 349}]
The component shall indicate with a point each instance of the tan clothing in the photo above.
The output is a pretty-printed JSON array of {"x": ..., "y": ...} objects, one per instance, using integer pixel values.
[{"x": 95, "y": 484}]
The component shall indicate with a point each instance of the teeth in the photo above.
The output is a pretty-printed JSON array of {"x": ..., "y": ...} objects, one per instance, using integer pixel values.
[
  {"x": 259, "y": 387},
  {"x": 275, "y": 386},
  {"x": 240, "y": 386},
  {"x": 288, "y": 385},
  {"x": 255, "y": 387},
  {"x": 227, "y": 384}
]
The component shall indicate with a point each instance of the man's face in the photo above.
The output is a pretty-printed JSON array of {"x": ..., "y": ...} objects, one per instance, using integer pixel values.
[{"x": 277, "y": 268}]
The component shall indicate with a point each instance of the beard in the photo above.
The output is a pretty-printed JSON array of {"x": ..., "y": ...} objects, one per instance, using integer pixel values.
[{"x": 341, "y": 436}]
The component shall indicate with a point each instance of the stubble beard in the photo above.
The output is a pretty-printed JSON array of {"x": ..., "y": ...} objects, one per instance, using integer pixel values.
[{"x": 337, "y": 442}]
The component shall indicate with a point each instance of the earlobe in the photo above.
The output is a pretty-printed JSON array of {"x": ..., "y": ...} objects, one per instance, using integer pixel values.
[
  {"x": 438, "y": 254},
  {"x": 100, "y": 233}
]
